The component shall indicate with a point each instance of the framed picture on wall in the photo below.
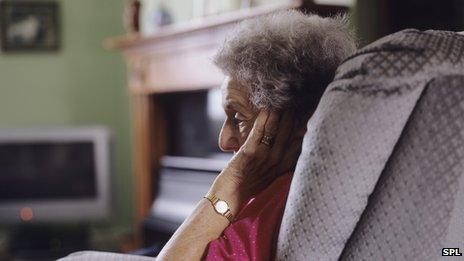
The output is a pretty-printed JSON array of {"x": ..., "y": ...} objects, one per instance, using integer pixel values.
[{"x": 29, "y": 26}]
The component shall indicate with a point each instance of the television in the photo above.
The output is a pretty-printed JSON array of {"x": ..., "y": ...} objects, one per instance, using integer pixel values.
[{"x": 54, "y": 174}]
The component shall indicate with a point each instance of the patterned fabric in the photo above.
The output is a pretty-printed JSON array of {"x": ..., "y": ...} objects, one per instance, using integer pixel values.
[
  {"x": 103, "y": 256},
  {"x": 381, "y": 170},
  {"x": 409, "y": 211}
]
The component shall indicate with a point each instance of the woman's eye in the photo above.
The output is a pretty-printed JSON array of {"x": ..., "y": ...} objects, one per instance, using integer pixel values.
[{"x": 238, "y": 117}]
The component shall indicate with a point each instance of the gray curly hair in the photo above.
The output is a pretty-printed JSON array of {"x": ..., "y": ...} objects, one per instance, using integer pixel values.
[{"x": 286, "y": 59}]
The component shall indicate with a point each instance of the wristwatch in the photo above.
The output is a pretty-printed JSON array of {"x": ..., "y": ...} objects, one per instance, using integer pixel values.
[{"x": 220, "y": 206}]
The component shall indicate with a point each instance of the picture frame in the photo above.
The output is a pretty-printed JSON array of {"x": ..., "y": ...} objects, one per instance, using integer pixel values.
[{"x": 29, "y": 26}]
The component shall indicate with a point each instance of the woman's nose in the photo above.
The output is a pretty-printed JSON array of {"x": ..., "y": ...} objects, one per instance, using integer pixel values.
[{"x": 228, "y": 140}]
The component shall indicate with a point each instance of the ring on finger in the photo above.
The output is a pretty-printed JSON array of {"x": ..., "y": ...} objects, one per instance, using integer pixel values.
[{"x": 267, "y": 140}]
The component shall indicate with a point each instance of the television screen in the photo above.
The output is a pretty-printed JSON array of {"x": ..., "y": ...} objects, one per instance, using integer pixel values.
[
  {"x": 54, "y": 174},
  {"x": 47, "y": 170}
]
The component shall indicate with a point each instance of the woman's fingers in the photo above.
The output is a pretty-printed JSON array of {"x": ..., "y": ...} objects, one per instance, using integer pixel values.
[
  {"x": 265, "y": 141},
  {"x": 260, "y": 139},
  {"x": 281, "y": 139},
  {"x": 268, "y": 138},
  {"x": 250, "y": 148},
  {"x": 257, "y": 131},
  {"x": 272, "y": 124}
]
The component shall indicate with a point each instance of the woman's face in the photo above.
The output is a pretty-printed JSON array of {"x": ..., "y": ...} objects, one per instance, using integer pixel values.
[{"x": 240, "y": 115}]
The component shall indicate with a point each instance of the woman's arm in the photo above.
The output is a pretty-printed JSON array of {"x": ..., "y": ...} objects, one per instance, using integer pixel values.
[
  {"x": 250, "y": 170},
  {"x": 202, "y": 226}
]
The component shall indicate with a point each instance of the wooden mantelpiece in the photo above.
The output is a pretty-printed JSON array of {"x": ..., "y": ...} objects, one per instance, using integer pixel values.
[{"x": 176, "y": 59}]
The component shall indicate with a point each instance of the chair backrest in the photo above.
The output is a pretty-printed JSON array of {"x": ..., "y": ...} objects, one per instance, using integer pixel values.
[{"x": 381, "y": 173}]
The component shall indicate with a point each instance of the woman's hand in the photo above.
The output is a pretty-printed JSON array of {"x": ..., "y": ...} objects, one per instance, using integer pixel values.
[
  {"x": 251, "y": 169},
  {"x": 257, "y": 164}
]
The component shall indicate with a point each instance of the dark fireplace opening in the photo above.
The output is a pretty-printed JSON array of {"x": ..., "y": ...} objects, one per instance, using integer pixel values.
[{"x": 194, "y": 120}]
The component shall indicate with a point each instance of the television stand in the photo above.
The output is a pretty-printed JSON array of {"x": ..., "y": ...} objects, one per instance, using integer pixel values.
[{"x": 47, "y": 241}]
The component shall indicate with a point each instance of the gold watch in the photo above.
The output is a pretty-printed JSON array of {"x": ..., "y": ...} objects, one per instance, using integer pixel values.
[{"x": 220, "y": 206}]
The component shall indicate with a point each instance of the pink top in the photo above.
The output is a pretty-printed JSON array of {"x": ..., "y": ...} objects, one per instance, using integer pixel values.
[{"x": 253, "y": 234}]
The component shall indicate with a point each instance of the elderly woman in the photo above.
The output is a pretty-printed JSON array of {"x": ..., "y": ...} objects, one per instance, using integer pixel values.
[{"x": 277, "y": 68}]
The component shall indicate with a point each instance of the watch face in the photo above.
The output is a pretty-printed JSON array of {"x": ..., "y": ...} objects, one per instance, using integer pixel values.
[{"x": 221, "y": 207}]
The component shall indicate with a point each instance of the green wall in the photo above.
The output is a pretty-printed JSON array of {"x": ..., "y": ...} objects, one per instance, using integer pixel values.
[{"x": 81, "y": 84}]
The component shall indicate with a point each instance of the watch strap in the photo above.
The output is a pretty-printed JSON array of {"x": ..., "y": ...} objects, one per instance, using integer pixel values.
[{"x": 214, "y": 199}]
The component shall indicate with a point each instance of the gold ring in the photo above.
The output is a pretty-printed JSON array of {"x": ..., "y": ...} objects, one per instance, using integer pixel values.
[{"x": 267, "y": 140}]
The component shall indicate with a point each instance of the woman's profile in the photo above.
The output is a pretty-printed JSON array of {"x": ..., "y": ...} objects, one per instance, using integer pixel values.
[{"x": 277, "y": 68}]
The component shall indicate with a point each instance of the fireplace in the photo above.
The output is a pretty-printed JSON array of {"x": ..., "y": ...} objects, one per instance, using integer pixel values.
[{"x": 191, "y": 162}]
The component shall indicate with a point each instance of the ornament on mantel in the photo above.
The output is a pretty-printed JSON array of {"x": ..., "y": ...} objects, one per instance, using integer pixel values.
[
  {"x": 131, "y": 16},
  {"x": 155, "y": 15}
]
